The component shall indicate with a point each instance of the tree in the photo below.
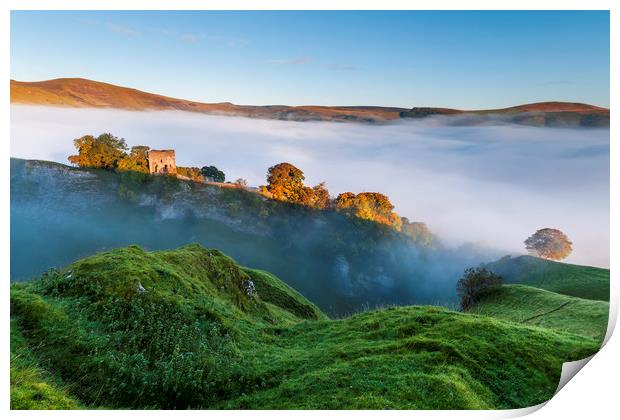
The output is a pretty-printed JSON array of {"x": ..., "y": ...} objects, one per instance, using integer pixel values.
[
  {"x": 285, "y": 182},
  {"x": 370, "y": 206},
  {"x": 104, "y": 151},
  {"x": 549, "y": 243},
  {"x": 212, "y": 173},
  {"x": 242, "y": 182},
  {"x": 137, "y": 160},
  {"x": 475, "y": 283},
  {"x": 320, "y": 197},
  {"x": 192, "y": 173},
  {"x": 418, "y": 232}
]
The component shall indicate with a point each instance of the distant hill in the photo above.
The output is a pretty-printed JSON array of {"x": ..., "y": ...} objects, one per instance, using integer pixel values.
[
  {"x": 532, "y": 306},
  {"x": 568, "y": 279},
  {"x": 84, "y": 93},
  {"x": 183, "y": 328},
  {"x": 541, "y": 114}
]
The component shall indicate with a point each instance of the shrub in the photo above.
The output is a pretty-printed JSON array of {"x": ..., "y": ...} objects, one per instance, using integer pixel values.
[{"x": 474, "y": 284}]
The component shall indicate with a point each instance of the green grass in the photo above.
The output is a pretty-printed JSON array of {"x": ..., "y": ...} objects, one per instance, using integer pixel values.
[
  {"x": 194, "y": 338},
  {"x": 32, "y": 388},
  {"x": 568, "y": 279},
  {"x": 273, "y": 290},
  {"x": 531, "y": 306}
]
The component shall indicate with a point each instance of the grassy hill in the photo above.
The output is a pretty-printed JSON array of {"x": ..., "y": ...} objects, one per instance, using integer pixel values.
[
  {"x": 532, "y": 306},
  {"x": 184, "y": 329},
  {"x": 568, "y": 279},
  {"x": 354, "y": 263}
]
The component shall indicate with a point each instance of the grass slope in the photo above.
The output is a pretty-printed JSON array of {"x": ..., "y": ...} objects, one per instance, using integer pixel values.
[
  {"x": 181, "y": 329},
  {"x": 532, "y": 306},
  {"x": 32, "y": 388},
  {"x": 568, "y": 279}
]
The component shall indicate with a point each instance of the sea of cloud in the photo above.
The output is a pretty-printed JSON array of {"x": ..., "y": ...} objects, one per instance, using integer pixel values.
[{"x": 493, "y": 185}]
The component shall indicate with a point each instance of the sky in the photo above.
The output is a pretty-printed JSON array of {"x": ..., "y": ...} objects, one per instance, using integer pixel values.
[{"x": 459, "y": 59}]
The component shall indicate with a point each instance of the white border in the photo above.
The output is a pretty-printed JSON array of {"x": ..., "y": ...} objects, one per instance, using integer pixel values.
[{"x": 593, "y": 393}]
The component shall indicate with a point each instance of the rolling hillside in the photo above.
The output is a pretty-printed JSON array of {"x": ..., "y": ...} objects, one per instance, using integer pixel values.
[
  {"x": 568, "y": 279},
  {"x": 341, "y": 263},
  {"x": 532, "y": 306},
  {"x": 184, "y": 329},
  {"x": 84, "y": 93}
]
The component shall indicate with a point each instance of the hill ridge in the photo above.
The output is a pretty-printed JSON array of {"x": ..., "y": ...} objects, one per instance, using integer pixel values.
[{"x": 85, "y": 93}]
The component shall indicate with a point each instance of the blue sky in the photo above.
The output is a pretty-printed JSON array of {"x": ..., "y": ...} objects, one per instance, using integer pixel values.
[{"x": 467, "y": 60}]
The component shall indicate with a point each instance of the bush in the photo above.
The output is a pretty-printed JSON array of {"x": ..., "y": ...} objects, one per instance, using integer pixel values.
[{"x": 475, "y": 283}]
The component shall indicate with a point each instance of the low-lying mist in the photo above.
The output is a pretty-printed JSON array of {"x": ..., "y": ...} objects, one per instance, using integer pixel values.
[{"x": 493, "y": 184}]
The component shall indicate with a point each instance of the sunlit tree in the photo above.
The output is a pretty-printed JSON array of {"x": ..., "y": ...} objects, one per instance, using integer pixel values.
[
  {"x": 370, "y": 206},
  {"x": 137, "y": 160},
  {"x": 285, "y": 182},
  {"x": 549, "y": 243},
  {"x": 320, "y": 197},
  {"x": 104, "y": 151}
]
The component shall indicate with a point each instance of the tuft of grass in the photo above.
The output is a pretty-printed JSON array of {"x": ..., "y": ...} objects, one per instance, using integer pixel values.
[
  {"x": 33, "y": 388},
  {"x": 532, "y": 306},
  {"x": 178, "y": 329},
  {"x": 568, "y": 279}
]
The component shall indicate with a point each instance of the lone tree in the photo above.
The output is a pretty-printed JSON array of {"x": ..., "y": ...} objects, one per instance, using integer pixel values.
[
  {"x": 212, "y": 173},
  {"x": 474, "y": 284},
  {"x": 549, "y": 243},
  {"x": 285, "y": 182}
]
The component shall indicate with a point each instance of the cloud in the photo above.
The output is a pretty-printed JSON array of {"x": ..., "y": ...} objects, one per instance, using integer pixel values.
[
  {"x": 292, "y": 61},
  {"x": 192, "y": 37},
  {"x": 88, "y": 21},
  {"x": 555, "y": 83},
  {"x": 342, "y": 67},
  {"x": 189, "y": 37},
  {"x": 122, "y": 29},
  {"x": 494, "y": 184},
  {"x": 114, "y": 27}
]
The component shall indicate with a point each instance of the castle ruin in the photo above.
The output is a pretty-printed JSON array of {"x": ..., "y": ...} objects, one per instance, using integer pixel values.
[{"x": 162, "y": 162}]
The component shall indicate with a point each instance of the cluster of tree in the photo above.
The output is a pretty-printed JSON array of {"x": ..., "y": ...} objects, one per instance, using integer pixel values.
[
  {"x": 285, "y": 182},
  {"x": 549, "y": 243},
  {"x": 370, "y": 206},
  {"x": 109, "y": 152},
  {"x": 475, "y": 283}
]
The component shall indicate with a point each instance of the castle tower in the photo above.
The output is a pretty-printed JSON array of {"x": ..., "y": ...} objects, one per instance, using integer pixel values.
[{"x": 162, "y": 162}]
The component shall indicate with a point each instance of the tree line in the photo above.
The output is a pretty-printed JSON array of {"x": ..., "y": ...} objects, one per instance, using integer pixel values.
[
  {"x": 285, "y": 183},
  {"x": 107, "y": 151}
]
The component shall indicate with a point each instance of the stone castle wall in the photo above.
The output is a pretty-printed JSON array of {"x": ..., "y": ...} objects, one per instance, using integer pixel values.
[{"x": 162, "y": 162}]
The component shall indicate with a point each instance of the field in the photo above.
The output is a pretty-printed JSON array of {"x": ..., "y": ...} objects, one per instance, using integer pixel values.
[
  {"x": 191, "y": 329},
  {"x": 568, "y": 279},
  {"x": 531, "y": 306}
]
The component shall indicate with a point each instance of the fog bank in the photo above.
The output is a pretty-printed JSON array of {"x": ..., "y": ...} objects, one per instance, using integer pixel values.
[{"x": 494, "y": 184}]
